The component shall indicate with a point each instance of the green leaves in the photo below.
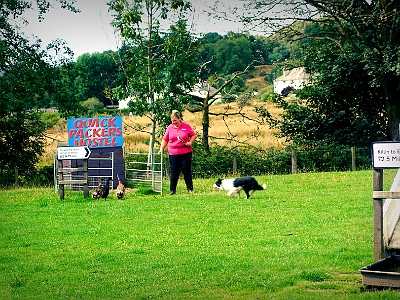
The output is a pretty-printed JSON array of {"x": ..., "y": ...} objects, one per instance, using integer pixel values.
[
  {"x": 159, "y": 66},
  {"x": 28, "y": 76},
  {"x": 339, "y": 108}
]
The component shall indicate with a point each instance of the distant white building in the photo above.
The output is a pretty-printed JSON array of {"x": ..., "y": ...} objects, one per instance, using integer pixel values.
[
  {"x": 203, "y": 89},
  {"x": 296, "y": 78},
  {"x": 123, "y": 104},
  {"x": 200, "y": 90}
]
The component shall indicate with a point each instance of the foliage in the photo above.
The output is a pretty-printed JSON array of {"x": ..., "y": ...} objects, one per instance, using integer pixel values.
[
  {"x": 265, "y": 95},
  {"x": 155, "y": 65},
  {"x": 231, "y": 53},
  {"x": 329, "y": 111},
  {"x": 245, "y": 98},
  {"x": 286, "y": 91},
  {"x": 159, "y": 67},
  {"x": 21, "y": 136},
  {"x": 93, "y": 106},
  {"x": 65, "y": 91},
  {"x": 219, "y": 161},
  {"x": 50, "y": 119},
  {"x": 365, "y": 31},
  {"x": 29, "y": 82},
  {"x": 98, "y": 73},
  {"x": 40, "y": 177}
]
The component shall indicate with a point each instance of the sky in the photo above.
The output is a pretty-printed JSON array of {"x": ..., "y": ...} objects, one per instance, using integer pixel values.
[{"x": 90, "y": 31}]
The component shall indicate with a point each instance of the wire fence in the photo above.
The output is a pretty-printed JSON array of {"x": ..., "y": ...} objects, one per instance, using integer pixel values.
[{"x": 286, "y": 161}]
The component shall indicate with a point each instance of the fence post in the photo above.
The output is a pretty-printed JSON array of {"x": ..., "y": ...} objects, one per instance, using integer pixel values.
[
  {"x": 60, "y": 178},
  {"x": 234, "y": 164},
  {"x": 353, "y": 158},
  {"x": 16, "y": 176},
  {"x": 294, "y": 162},
  {"x": 85, "y": 177},
  {"x": 379, "y": 251}
]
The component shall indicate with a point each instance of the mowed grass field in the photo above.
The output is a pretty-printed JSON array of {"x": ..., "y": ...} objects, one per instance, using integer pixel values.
[{"x": 305, "y": 237}]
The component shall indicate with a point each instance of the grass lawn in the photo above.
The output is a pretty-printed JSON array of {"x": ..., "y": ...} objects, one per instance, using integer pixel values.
[{"x": 305, "y": 237}]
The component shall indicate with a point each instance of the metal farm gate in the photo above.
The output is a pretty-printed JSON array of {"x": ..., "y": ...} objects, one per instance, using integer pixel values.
[{"x": 144, "y": 170}]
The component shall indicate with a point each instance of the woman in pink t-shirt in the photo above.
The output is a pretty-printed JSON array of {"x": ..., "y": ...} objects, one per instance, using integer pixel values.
[{"x": 179, "y": 137}]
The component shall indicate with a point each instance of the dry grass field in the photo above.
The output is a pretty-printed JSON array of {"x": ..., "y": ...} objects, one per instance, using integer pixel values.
[{"x": 232, "y": 129}]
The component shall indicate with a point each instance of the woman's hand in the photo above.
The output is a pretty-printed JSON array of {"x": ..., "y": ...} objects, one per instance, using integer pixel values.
[{"x": 189, "y": 143}]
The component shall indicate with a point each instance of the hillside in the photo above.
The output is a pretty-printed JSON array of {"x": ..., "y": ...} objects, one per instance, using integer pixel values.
[{"x": 258, "y": 80}]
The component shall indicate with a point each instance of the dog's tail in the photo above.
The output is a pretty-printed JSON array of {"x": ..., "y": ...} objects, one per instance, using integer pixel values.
[{"x": 261, "y": 187}]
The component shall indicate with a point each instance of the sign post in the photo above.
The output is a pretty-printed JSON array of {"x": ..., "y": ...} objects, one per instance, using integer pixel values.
[
  {"x": 73, "y": 153},
  {"x": 385, "y": 155}
]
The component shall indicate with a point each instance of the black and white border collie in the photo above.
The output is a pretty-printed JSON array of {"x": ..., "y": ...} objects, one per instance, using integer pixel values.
[{"x": 235, "y": 185}]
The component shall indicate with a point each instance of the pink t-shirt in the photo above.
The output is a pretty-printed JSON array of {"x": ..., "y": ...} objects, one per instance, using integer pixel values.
[{"x": 175, "y": 146}]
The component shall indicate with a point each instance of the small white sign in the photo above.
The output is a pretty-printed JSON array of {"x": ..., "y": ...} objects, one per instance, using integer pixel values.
[
  {"x": 73, "y": 152},
  {"x": 386, "y": 155}
]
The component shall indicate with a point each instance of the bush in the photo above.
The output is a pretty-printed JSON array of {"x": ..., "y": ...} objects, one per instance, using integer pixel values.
[
  {"x": 50, "y": 119},
  {"x": 250, "y": 161},
  {"x": 286, "y": 91},
  {"x": 43, "y": 176},
  {"x": 219, "y": 162},
  {"x": 93, "y": 106},
  {"x": 266, "y": 94}
]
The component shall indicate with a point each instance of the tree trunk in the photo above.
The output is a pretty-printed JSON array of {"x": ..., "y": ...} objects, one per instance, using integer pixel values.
[
  {"x": 206, "y": 124},
  {"x": 392, "y": 96}
]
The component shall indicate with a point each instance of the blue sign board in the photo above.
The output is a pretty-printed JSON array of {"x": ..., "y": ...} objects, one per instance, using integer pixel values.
[{"x": 97, "y": 132}]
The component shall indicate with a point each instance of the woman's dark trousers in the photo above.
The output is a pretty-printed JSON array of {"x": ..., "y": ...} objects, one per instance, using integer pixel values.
[{"x": 176, "y": 164}]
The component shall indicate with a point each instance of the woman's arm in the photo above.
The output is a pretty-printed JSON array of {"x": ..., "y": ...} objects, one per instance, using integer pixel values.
[{"x": 163, "y": 145}]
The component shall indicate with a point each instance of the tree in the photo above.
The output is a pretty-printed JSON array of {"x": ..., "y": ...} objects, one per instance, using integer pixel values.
[
  {"x": 368, "y": 31},
  {"x": 331, "y": 113},
  {"x": 158, "y": 66},
  {"x": 27, "y": 76},
  {"x": 229, "y": 53},
  {"x": 233, "y": 54},
  {"x": 93, "y": 106},
  {"x": 65, "y": 91},
  {"x": 203, "y": 103},
  {"x": 98, "y": 73}
]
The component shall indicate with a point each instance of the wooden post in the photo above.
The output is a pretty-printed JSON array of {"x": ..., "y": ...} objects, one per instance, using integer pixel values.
[
  {"x": 85, "y": 177},
  {"x": 294, "y": 162},
  {"x": 60, "y": 178},
  {"x": 234, "y": 164},
  {"x": 353, "y": 158},
  {"x": 16, "y": 177},
  {"x": 379, "y": 251}
]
